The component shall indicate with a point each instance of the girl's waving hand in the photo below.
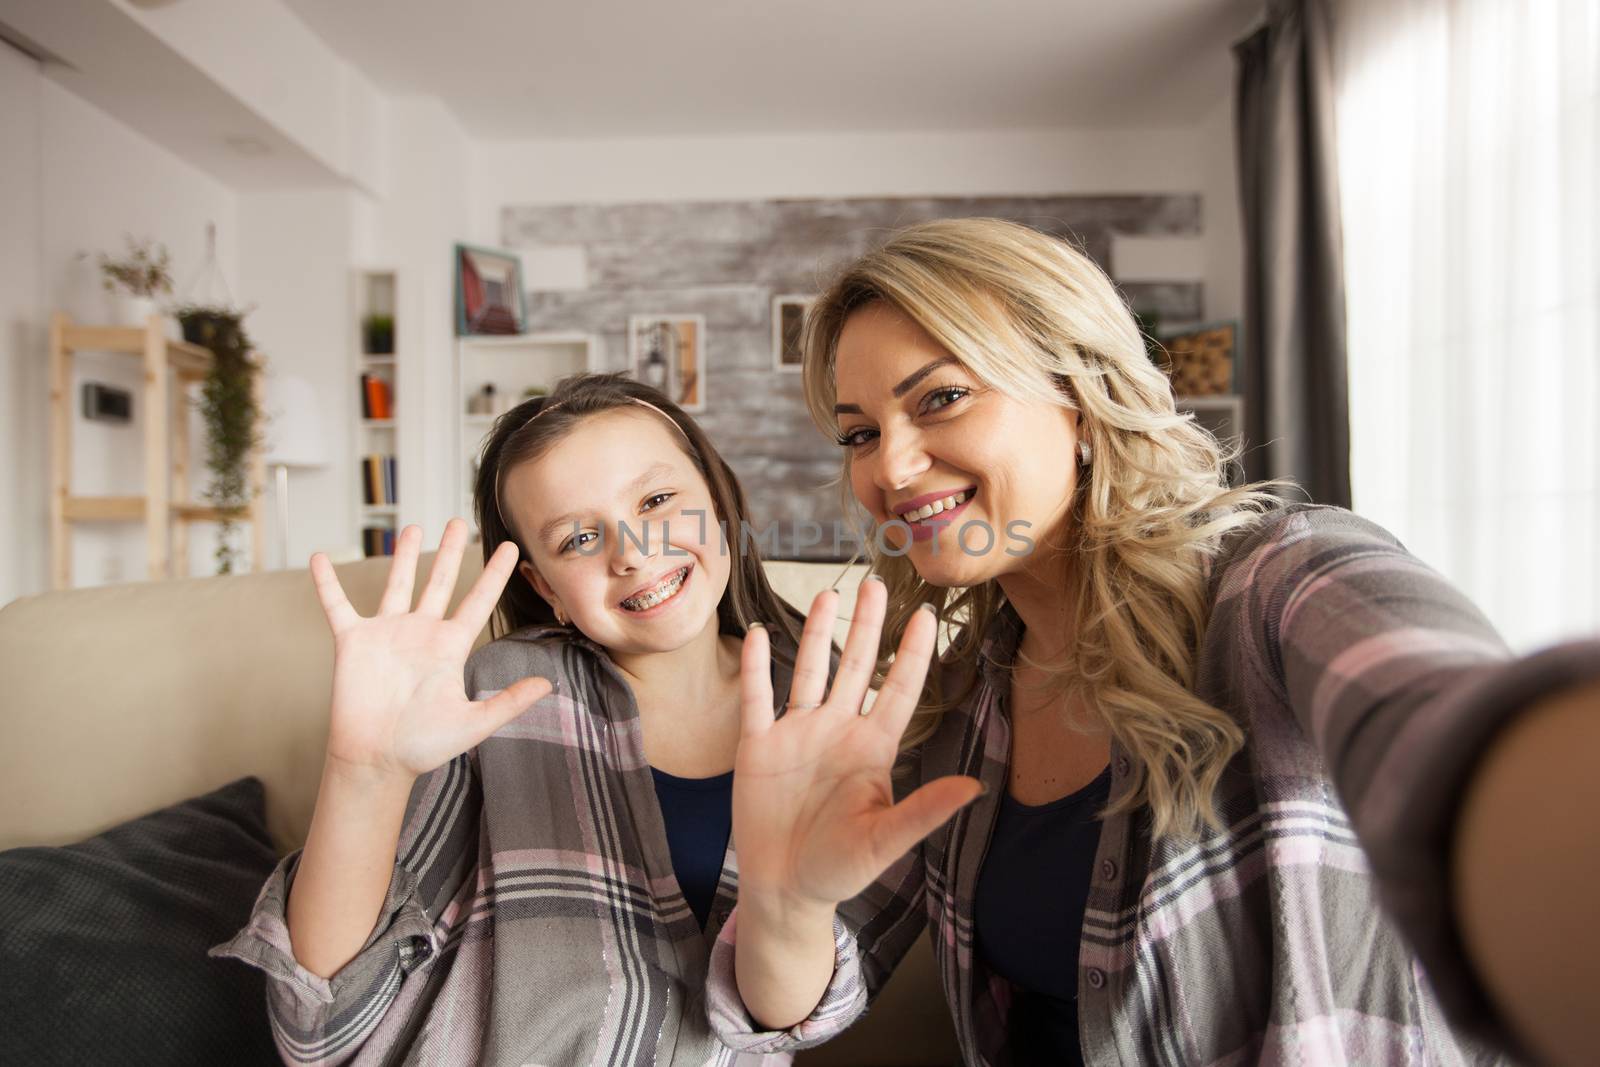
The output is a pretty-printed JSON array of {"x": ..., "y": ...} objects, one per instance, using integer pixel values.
[{"x": 399, "y": 707}]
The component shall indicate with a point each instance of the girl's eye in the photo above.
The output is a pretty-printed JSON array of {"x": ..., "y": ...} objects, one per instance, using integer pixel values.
[
  {"x": 943, "y": 397},
  {"x": 655, "y": 500},
  {"x": 855, "y": 438},
  {"x": 577, "y": 539}
]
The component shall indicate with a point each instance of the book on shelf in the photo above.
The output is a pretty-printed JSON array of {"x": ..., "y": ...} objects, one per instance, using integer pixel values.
[
  {"x": 380, "y": 479},
  {"x": 377, "y": 540},
  {"x": 377, "y": 398}
]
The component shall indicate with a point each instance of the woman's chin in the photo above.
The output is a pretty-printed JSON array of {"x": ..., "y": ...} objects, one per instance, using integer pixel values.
[{"x": 951, "y": 570}]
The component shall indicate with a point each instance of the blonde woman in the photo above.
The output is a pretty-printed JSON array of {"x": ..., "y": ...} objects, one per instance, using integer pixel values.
[{"x": 1189, "y": 737}]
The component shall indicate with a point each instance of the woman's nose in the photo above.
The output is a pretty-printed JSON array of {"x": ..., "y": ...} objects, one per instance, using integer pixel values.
[{"x": 900, "y": 460}]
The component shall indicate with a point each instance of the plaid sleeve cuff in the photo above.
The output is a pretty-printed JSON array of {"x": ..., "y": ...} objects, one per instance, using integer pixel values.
[
  {"x": 842, "y": 1002},
  {"x": 402, "y": 929}
]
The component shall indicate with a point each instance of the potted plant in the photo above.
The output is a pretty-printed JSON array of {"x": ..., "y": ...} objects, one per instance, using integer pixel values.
[
  {"x": 378, "y": 334},
  {"x": 137, "y": 280},
  {"x": 232, "y": 417}
]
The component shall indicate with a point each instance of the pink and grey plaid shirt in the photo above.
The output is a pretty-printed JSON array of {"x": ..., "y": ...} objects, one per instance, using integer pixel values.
[
  {"x": 533, "y": 916},
  {"x": 1367, "y": 686}
]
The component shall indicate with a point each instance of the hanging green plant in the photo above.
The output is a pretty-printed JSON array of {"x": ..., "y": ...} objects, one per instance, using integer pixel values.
[{"x": 232, "y": 418}]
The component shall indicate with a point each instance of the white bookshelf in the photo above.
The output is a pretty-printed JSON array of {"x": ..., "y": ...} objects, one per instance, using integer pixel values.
[
  {"x": 513, "y": 364},
  {"x": 375, "y": 290}
]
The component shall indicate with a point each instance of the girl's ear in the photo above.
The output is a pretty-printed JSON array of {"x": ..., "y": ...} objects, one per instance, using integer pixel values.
[{"x": 540, "y": 586}]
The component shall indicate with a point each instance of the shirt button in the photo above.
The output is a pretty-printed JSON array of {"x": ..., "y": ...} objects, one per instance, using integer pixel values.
[
  {"x": 1097, "y": 978},
  {"x": 1108, "y": 870}
]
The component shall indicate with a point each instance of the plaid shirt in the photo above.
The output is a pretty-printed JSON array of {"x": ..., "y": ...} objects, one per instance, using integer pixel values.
[
  {"x": 1366, "y": 686},
  {"x": 533, "y": 916}
]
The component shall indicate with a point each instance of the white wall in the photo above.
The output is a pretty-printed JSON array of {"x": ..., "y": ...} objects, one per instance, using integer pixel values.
[
  {"x": 429, "y": 178},
  {"x": 22, "y": 501},
  {"x": 93, "y": 180},
  {"x": 295, "y": 251},
  {"x": 1198, "y": 158},
  {"x": 831, "y": 165}
]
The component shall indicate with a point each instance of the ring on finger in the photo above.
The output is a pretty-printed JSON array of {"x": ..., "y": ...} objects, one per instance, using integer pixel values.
[{"x": 791, "y": 706}]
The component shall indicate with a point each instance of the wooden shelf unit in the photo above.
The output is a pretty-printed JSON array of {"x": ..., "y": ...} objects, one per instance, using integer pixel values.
[{"x": 164, "y": 507}]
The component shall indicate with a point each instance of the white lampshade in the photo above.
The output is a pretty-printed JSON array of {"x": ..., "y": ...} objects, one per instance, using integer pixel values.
[{"x": 294, "y": 432}]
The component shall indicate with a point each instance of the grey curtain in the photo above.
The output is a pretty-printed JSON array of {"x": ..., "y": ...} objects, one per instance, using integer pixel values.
[{"x": 1297, "y": 422}]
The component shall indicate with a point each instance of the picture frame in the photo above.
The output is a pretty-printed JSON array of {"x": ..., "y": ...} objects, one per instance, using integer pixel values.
[
  {"x": 490, "y": 298},
  {"x": 669, "y": 352},
  {"x": 788, "y": 316},
  {"x": 1201, "y": 360}
]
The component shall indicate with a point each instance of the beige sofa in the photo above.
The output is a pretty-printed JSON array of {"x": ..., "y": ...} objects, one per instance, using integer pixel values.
[{"x": 122, "y": 699}]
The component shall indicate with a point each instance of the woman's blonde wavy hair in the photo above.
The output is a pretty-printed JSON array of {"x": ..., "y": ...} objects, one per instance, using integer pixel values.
[{"x": 1034, "y": 318}]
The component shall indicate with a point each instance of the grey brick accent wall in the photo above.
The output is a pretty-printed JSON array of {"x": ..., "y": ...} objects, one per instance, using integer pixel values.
[{"x": 726, "y": 260}]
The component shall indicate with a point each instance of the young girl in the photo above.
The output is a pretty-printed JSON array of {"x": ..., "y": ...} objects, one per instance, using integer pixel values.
[{"x": 535, "y": 875}]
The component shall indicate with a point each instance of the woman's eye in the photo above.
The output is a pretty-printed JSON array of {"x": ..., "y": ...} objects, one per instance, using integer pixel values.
[
  {"x": 855, "y": 438},
  {"x": 655, "y": 501},
  {"x": 944, "y": 397}
]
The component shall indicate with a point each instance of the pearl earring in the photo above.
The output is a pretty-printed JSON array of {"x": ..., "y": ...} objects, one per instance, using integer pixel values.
[{"x": 1084, "y": 452}]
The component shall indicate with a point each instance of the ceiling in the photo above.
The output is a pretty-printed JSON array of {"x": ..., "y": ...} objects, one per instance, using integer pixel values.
[{"x": 513, "y": 69}]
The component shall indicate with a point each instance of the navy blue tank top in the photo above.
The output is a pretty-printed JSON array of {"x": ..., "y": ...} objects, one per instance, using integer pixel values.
[
  {"x": 1032, "y": 891},
  {"x": 699, "y": 816}
]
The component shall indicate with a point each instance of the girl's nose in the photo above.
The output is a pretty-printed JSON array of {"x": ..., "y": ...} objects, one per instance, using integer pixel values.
[{"x": 633, "y": 546}]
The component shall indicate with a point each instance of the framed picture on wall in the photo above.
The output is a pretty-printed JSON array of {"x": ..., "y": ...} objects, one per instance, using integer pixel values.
[
  {"x": 788, "y": 315},
  {"x": 489, "y": 294},
  {"x": 1200, "y": 360},
  {"x": 669, "y": 352}
]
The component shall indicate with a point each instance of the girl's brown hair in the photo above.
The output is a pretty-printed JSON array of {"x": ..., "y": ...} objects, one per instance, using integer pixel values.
[{"x": 530, "y": 429}]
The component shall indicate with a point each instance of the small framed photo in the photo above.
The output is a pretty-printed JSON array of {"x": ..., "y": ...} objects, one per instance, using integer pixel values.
[
  {"x": 669, "y": 352},
  {"x": 788, "y": 316},
  {"x": 1199, "y": 361},
  {"x": 489, "y": 294}
]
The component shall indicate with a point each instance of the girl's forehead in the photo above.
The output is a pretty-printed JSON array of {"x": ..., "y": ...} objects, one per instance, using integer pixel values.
[{"x": 604, "y": 460}]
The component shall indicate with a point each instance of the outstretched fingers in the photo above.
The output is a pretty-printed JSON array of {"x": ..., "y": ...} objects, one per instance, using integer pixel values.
[
  {"x": 902, "y": 690},
  {"x": 507, "y": 704},
  {"x": 402, "y": 572},
  {"x": 446, "y": 566},
  {"x": 810, "y": 681},
  {"x": 860, "y": 656},
  {"x": 335, "y": 605},
  {"x": 755, "y": 683},
  {"x": 896, "y": 831},
  {"x": 476, "y": 607}
]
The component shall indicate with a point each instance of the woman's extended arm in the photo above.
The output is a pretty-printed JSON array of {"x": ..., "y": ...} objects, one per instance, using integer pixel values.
[
  {"x": 1527, "y": 873},
  {"x": 1422, "y": 719}
]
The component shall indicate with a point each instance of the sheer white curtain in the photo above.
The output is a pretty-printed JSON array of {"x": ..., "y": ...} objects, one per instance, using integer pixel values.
[{"x": 1469, "y": 163}]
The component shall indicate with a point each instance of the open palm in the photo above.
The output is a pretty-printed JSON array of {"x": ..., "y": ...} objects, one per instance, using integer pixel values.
[
  {"x": 814, "y": 817},
  {"x": 399, "y": 703}
]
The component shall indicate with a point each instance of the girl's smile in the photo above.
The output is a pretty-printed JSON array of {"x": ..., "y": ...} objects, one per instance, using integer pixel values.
[{"x": 654, "y": 598}]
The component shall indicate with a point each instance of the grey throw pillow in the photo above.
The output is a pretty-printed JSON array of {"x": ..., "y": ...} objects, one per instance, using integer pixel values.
[{"x": 103, "y": 943}]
